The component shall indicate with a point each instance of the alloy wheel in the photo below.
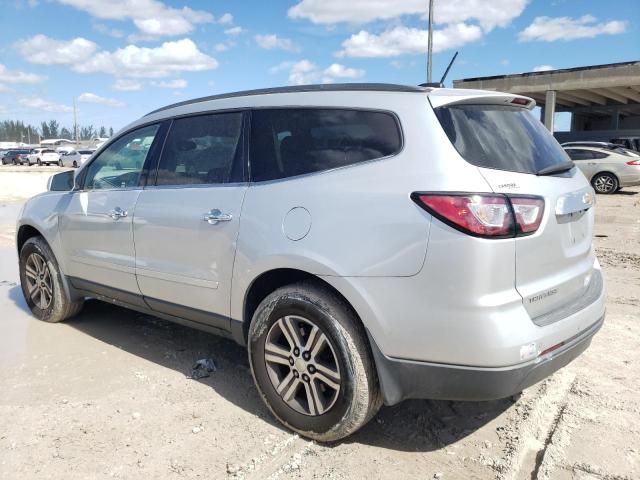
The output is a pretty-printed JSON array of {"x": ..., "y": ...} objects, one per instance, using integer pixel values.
[
  {"x": 302, "y": 365},
  {"x": 39, "y": 281},
  {"x": 604, "y": 184}
]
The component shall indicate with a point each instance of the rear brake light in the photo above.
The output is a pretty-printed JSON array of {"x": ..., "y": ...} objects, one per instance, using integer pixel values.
[
  {"x": 633, "y": 162},
  {"x": 520, "y": 101},
  {"x": 485, "y": 215}
]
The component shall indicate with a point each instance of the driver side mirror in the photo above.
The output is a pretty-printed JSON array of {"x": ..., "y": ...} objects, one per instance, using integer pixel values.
[{"x": 61, "y": 182}]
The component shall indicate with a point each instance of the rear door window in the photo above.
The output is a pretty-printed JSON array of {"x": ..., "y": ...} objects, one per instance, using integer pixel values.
[
  {"x": 578, "y": 154},
  {"x": 500, "y": 137},
  {"x": 205, "y": 149},
  {"x": 295, "y": 141}
]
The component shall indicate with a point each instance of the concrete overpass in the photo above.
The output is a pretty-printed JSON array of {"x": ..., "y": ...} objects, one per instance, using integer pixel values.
[{"x": 600, "y": 97}]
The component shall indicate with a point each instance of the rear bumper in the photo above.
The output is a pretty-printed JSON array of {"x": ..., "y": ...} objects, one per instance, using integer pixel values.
[{"x": 403, "y": 379}]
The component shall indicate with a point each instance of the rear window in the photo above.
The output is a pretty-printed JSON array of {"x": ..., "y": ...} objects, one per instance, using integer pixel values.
[
  {"x": 48, "y": 151},
  {"x": 500, "y": 137},
  {"x": 295, "y": 141}
]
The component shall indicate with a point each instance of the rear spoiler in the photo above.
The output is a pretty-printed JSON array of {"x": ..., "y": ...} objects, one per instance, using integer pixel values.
[{"x": 448, "y": 96}]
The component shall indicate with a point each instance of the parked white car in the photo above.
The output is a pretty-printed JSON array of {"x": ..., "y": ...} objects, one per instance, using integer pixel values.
[
  {"x": 607, "y": 170},
  {"x": 76, "y": 158},
  {"x": 44, "y": 156}
]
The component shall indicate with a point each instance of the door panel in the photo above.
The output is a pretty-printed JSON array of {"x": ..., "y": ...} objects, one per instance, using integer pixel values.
[
  {"x": 96, "y": 225},
  {"x": 99, "y": 246},
  {"x": 186, "y": 226},
  {"x": 180, "y": 257}
]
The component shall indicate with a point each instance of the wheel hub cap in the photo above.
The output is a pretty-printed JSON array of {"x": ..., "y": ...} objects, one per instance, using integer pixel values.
[{"x": 302, "y": 365}]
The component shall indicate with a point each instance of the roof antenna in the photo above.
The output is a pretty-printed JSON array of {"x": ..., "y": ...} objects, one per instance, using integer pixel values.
[
  {"x": 446, "y": 72},
  {"x": 440, "y": 84}
]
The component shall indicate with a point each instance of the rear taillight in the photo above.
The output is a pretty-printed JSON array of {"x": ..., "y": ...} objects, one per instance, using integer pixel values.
[
  {"x": 633, "y": 162},
  {"x": 485, "y": 215},
  {"x": 528, "y": 212}
]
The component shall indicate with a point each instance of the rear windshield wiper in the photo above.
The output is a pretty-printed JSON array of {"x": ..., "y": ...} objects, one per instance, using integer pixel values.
[{"x": 551, "y": 169}]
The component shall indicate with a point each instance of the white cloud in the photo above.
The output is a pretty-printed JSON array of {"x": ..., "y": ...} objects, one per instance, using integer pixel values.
[
  {"x": 48, "y": 51},
  {"x": 338, "y": 71},
  {"x": 152, "y": 17},
  {"x": 281, "y": 67},
  {"x": 177, "y": 83},
  {"x": 489, "y": 14},
  {"x": 4, "y": 88},
  {"x": 403, "y": 40},
  {"x": 305, "y": 72},
  {"x": 130, "y": 61},
  {"x": 272, "y": 41},
  {"x": 550, "y": 29},
  {"x": 234, "y": 31},
  {"x": 112, "y": 32},
  {"x": 221, "y": 47},
  {"x": 97, "y": 99},
  {"x": 543, "y": 68},
  {"x": 37, "y": 103},
  {"x": 127, "y": 85},
  {"x": 15, "y": 76},
  {"x": 225, "y": 19}
]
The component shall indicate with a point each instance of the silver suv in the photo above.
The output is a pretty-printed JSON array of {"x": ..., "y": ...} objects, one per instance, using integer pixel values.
[{"x": 368, "y": 243}]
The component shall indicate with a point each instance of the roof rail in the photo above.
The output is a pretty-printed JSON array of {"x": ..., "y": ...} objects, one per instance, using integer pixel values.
[{"x": 334, "y": 87}]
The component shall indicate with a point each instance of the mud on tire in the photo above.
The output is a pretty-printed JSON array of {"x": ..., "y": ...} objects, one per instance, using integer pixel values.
[
  {"x": 344, "y": 399},
  {"x": 39, "y": 271}
]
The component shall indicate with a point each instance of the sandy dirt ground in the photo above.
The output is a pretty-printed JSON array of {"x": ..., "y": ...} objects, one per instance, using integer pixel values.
[{"x": 108, "y": 395}]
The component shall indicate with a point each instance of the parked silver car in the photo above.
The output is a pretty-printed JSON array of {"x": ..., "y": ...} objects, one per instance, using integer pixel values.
[
  {"x": 607, "y": 170},
  {"x": 368, "y": 243}
]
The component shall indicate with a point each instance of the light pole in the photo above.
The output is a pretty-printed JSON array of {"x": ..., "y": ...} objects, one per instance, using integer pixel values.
[{"x": 430, "y": 42}]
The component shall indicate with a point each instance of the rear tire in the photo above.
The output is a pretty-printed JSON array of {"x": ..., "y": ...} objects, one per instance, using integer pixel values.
[
  {"x": 311, "y": 362},
  {"x": 42, "y": 284},
  {"x": 605, "y": 183},
  {"x": 75, "y": 164},
  {"x": 60, "y": 163}
]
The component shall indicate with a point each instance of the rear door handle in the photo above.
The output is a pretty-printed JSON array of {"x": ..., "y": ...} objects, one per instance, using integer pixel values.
[
  {"x": 117, "y": 213},
  {"x": 214, "y": 216}
]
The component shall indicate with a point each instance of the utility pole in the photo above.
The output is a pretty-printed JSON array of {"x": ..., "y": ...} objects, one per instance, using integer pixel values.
[
  {"x": 430, "y": 42},
  {"x": 75, "y": 122}
]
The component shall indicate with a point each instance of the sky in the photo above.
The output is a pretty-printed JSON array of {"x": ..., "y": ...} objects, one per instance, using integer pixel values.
[{"x": 120, "y": 59}]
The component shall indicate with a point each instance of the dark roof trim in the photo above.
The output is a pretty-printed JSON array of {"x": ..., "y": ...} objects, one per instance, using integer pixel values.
[
  {"x": 334, "y": 87},
  {"x": 546, "y": 72}
]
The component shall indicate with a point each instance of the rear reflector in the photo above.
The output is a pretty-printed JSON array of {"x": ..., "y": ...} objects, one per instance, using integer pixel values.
[
  {"x": 484, "y": 215},
  {"x": 551, "y": 349}
]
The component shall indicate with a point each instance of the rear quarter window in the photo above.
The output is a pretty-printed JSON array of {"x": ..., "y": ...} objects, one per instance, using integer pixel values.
[
  {"x": 295, "y": 141},
  {"x": 500, "y": 137}
]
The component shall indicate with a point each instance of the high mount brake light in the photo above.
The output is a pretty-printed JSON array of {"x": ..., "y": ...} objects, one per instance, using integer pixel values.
[{"x": 485, "y": 215}]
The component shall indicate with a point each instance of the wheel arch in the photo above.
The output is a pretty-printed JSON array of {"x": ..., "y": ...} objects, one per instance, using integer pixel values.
[
  {"x": 25, "y": 232},
  {"x": 270, "y": 280}
]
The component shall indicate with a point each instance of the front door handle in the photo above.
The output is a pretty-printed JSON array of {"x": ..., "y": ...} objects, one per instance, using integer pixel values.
[
  {"x": 117, "y": 213},
  {"x": 214, "y": 216}
]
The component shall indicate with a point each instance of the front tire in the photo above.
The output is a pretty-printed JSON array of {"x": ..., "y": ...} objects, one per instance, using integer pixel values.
[
  {"x": 60, "y": 163},
  {"x": 311, "y": 362},
  {"x": 39, "y": 162},
  {"x": 42, "y": 284},
  {"x": 605, "y": 183}
]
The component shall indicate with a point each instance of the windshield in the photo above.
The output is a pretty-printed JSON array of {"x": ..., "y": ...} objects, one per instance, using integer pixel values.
[{"x": 501, "y": 137}]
